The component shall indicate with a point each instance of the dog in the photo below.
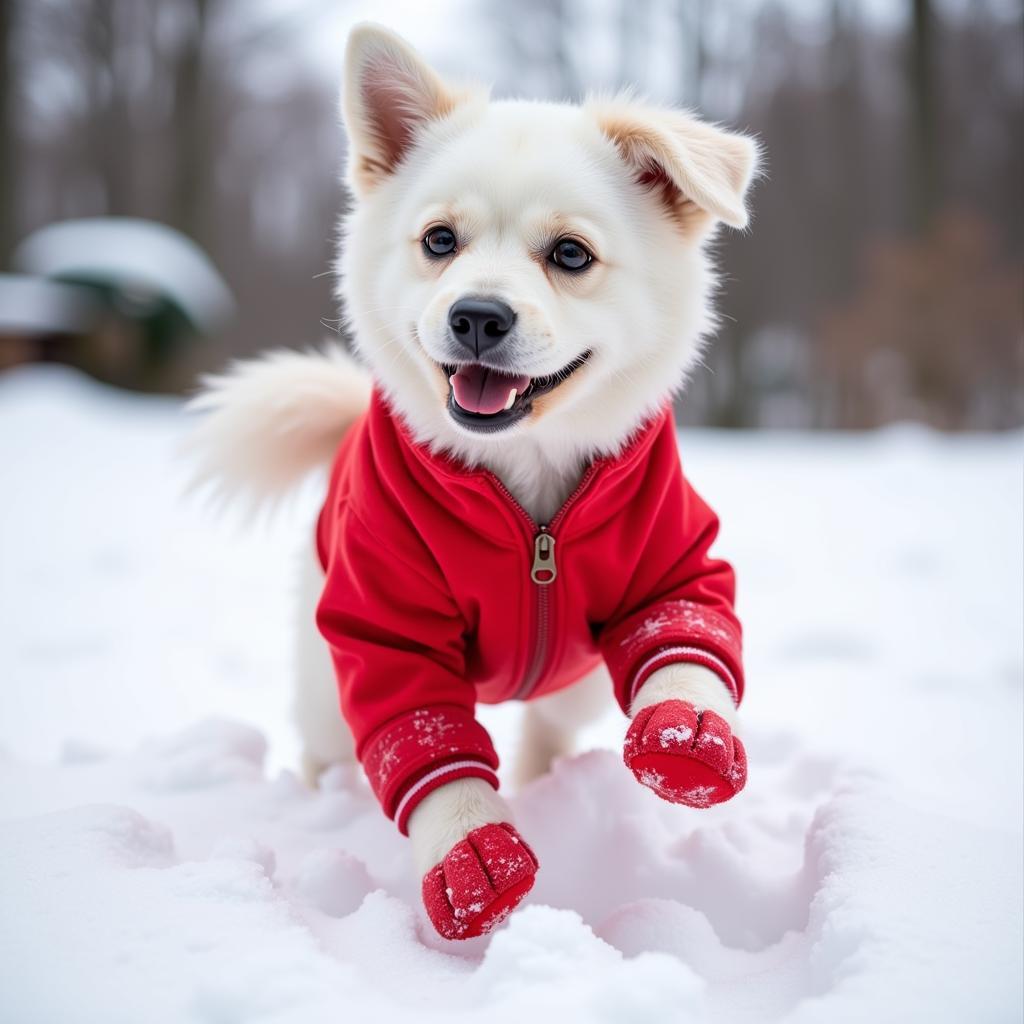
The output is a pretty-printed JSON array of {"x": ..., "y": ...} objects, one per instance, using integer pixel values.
[{"x": 527, "y": 285}]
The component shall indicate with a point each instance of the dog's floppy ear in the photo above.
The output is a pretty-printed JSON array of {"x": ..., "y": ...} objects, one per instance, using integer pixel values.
[
  {"x": 389, "y": 93},
  {"x": 697, "y": 167}
]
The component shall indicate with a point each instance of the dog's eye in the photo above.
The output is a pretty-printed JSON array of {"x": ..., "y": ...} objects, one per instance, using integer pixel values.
[
  {"x": 570, "y": 255},
  {"x": 439, "y": 241}
]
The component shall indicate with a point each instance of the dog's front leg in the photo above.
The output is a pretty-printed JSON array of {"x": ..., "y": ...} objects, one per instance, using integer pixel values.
[
  {"x": 474, "y": 864},
  {"x": 446, "y": 816},
  {"x": 689, "y": 682},
  {"x": 682, "y": 741}
]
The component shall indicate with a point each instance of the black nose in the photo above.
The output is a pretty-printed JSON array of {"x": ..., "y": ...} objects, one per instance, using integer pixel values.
[{"x": 480, "y": 324}]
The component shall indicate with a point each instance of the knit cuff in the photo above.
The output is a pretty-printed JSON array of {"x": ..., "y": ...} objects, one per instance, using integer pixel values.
[
  {"x": 417, "y": 790},
  {"x": 415, "y": 753},
  {"x": 675, "y": 655},
  {"x": 670, "y": 632}
]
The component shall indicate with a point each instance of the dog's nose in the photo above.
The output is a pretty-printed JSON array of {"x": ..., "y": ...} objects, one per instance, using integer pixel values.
[{"x": 480, "y": 324}]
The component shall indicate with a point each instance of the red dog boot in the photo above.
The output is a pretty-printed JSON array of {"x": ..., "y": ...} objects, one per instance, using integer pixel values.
[
  {"x": 480, "y": 882},
  {"x": 686, "y": 756}
]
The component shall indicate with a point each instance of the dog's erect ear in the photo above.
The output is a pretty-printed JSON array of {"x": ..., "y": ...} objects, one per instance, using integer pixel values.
[
  {"x": 389, "y": 93},
  {"x": 697, "y": 167}
]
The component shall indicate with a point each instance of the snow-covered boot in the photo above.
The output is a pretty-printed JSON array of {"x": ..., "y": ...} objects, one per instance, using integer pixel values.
[
  {"x": 480, "y": 882},
  {"x": 686, "y": 756}
]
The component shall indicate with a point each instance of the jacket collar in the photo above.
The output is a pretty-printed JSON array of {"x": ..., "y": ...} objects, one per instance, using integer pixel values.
[
  {"x": 444, "y": 464},
  {"x": 451, "y": 482}
]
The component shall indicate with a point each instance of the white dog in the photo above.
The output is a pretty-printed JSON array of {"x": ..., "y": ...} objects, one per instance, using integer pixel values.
[{"x": 527, "y": 285}]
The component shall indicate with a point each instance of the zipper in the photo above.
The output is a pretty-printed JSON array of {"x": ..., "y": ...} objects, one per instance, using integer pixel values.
[
  {"x": 544, "y": 570},
  {"x": 543, "y": 573}
]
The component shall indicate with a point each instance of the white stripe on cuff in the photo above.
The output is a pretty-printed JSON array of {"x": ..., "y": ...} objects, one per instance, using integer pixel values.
[
  {"x": 437, "y": 773},
  {"x": 692, "y": 655}
]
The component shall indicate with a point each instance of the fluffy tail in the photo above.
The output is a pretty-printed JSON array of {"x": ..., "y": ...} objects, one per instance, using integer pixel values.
[{"x": 268, "y": 422}]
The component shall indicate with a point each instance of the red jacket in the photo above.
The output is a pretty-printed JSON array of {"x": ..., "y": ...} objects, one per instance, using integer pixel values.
[{"x": 441, "y": 591}]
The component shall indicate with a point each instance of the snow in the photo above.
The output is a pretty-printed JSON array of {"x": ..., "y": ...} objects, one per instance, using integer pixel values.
[
  {"x": 138, "y": 254},
  {"x": 160, "y": 860},
  {"x": 34, "y": 305},
  {"x": 677, "y": 735}
]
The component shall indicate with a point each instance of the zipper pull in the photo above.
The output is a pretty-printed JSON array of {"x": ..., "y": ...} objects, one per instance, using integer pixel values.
[{"x": 544, "y": 569}]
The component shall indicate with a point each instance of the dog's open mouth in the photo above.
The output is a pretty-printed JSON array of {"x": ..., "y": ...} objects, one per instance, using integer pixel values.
[{"x": 486, "y": 400}]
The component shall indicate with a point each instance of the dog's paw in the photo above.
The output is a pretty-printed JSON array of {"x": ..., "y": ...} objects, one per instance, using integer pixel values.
[
  {"x": 480, "y": 882},
  {"x": 686, "y": 756}
]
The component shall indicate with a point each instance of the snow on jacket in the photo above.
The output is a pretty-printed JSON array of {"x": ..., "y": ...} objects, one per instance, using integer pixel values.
[{"x": 441, "y": 591}]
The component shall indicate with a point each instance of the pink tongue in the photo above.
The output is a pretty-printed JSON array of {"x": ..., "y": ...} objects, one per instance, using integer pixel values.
[{"x": 478, "y": 389}]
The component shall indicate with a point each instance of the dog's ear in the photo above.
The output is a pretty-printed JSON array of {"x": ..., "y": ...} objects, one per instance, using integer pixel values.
[
  {"x": 700, "y": 171},
  {"x": 389, "y": 93}
]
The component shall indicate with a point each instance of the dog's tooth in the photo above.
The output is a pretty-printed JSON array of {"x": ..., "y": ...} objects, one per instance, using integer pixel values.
[
  {"x": 451, "y": 380},
  {"x": 511, "y": 398}
]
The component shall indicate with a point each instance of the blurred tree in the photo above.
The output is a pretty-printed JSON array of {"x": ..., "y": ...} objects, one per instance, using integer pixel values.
[
  {"x": 634, "y": 39},
  {"x": 935, "y": 334},
  {"x": 924, "y": 156},
  {"x": 561, "y": 48},
  {"x": 104, "y": 28},
  {"x": 8, "y": 135},
  {"x": 847, "y": 145},
  {"x": 190, "y": 121},
  {"x": 534, "y": 47},
  {"x": 691, "y": 21}
]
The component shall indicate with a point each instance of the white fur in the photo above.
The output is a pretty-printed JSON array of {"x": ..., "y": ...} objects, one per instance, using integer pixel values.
[
  {"x": 645, "y": 188},
  {"x": 683, "y": 681},
  {"x": 326, "y": 739},
  {"x": 550, "y": 723},
  {"x": 267, "y": 422},
  {"x": 449, "y": 814}
]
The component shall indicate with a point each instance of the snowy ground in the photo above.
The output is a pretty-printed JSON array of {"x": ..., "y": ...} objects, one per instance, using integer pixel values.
[{"x": 159, "y": 861}]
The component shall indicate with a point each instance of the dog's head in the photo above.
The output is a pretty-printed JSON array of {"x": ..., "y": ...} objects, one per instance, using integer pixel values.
[{"x": 519, "y": 268}]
